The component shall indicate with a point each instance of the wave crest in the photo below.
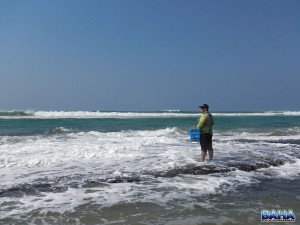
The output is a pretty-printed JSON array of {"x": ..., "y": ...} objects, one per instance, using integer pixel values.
[{"x": 126, "y": 115}]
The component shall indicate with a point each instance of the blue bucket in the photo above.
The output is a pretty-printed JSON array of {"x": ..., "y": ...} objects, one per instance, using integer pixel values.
[{"x": 195, "y": 135}]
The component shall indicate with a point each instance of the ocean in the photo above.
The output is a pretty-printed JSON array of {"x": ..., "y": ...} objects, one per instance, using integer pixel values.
[{"x": 98, "y": 167}]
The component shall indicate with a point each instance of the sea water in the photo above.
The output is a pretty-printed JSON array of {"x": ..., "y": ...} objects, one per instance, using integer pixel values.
[{"x": 100, "y": 167}]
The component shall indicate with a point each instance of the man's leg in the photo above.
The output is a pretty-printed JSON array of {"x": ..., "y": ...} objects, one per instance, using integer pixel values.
[
  {"x": 210, "y": 148},
  {"x": 202, "y": 156},
  {"x": 210, "y": 154}
]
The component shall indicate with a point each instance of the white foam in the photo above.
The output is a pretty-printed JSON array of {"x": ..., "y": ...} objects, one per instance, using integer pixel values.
[
  {"x": 168, "y": 113},
  {"x": 26, "y": 158},
  {"x": 167, "y": 193},
  {"x": 266, "y": 137},
  {"x": 99, "y": 114},
  {"x": 125, "y": 150},
  {"x": 287, "y": 171},
  {"x": 162, "y": 114},
  {"x": 268, "y": 113}
]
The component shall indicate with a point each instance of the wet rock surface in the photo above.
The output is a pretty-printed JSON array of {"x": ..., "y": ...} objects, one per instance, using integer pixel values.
[
  {"x": 209, "y": 169},
  {"x": 60, "y": 184},
  {"x": 192, "y": 170},
  {"x": 252, "y": 167}
]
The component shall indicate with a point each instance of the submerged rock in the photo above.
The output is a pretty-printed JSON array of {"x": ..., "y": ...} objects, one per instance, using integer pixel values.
[
  {"x": 252, "y": 167},
  {"x": 192, "y": 170},
  {"x": 60, "y": 184},
  {"x": 209, "y": 169}
]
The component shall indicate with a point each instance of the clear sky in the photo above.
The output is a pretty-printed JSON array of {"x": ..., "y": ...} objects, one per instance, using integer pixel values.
[{"x": 149, "y": 54}]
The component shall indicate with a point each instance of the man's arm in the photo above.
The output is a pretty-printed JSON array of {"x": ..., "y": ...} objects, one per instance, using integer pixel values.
[{"x": 201, "y": 122}]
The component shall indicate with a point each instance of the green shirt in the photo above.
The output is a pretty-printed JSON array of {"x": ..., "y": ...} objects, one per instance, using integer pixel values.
[{"x": 206, "y": 121}]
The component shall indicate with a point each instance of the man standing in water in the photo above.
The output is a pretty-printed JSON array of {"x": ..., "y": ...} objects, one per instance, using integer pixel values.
[{"x": 205, "y": 124}]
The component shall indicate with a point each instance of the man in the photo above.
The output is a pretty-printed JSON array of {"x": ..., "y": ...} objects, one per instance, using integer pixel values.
[{"x": 205, "y": 124}]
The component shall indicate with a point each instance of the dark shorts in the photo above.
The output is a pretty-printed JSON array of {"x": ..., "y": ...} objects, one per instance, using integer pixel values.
[{"x": 206, "y": 142}]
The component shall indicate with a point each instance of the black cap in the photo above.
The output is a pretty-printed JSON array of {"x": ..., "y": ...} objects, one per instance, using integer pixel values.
[{"x": 204, "y": 106}]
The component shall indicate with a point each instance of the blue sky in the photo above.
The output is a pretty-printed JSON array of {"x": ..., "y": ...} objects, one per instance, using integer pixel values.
[{"x": 150, "y": 54}]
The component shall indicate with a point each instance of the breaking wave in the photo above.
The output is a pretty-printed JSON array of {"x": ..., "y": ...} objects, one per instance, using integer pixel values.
[{"x": 116, "y": 114}]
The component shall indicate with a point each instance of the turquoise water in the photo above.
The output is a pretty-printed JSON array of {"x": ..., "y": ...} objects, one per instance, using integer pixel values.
[
  {"x": 223, "y": 124},
  {"x": 99, "y": 167}
]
